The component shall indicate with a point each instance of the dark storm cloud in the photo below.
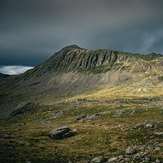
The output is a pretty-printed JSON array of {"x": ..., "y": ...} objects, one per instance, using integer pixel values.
[{"x": 31, "y": 30}]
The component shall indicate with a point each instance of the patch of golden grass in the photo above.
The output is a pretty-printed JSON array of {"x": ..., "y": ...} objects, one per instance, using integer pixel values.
[{"x": 143, "y": 88}]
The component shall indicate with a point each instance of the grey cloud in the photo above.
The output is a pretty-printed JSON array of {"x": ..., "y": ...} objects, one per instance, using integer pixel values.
[
  {"x": 14, "y": 70},
  {"x": 32, "y": 30}
]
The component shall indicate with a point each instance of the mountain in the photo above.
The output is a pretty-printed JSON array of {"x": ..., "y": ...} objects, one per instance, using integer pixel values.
[
  {"x": 73, "y": 71},
  {"x": 104, "y": 94},
  {"x": 76, "y": 59},
  {"x": 3, "y": 76}
]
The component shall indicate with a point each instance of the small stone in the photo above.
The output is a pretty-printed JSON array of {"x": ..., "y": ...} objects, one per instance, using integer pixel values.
[
  {"x": 113, "y": 159},
  {"x": 120, "y": 157},
  {"x": 137, "y": 156},
  {"x": 130, "y": 151},
  {"x": 58, "y": 114},
  {"x": 99, "y": 159},
  {"x": 157, "y": 149},
  {"x": 148, "y": 125},
  {"x": 147, "y": 159},
  {"x": 157, "y": 161},
  {"x": 28, "y": 161},
  {"x": 81, "y": 117},
  {"x": 160, "y": 134},
  {"x": 92, "y": 117}
]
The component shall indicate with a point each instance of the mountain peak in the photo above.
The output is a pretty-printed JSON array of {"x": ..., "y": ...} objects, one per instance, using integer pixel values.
[{"x": 73, "y": 46}]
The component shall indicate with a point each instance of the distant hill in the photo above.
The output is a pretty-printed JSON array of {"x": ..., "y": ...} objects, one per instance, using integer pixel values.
[{"x": 3, "y": 76}]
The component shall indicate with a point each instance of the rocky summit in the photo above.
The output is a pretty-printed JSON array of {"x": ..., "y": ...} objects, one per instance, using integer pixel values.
[{"x": 84, "y": 105}]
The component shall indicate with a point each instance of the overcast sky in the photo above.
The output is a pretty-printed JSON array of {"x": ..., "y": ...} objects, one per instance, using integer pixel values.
[{"x": 32, "y": 30}]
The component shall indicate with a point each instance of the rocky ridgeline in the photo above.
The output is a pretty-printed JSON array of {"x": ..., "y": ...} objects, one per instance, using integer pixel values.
[{"x": 74, "y": 58}]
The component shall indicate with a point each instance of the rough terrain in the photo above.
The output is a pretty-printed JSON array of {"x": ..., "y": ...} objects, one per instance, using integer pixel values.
[{"x": 84, "y": 106}]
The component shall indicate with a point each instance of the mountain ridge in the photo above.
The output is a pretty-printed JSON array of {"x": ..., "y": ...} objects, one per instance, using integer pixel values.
[{"x": 75, "y": 58}]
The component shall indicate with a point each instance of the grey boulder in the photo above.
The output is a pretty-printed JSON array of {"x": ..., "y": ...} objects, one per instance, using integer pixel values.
[{"x": 61, "y": 133}]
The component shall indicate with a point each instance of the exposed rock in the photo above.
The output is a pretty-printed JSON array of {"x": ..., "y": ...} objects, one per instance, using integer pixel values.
[
  {"x": 61, "y": 133},
  {"x": 92, "y": 117},
  {"x": 157, "y": 149},
  {"x": 28, "y": 161},
  {"x": 159, "y": 134},
  {"x": 88, "y": 117},
  {"x": 130, "y": 150},
  {"x": 99, "y": 159},
  {"x": 157, "y": 161},
  {"x": 112, "y": 160},
  {"x": 148, "y": 125},
  {"x": 73, "y": 58},
  {"x": 118, "y": 113},
  {"x": 135, "y": 154},
  {"x": 126, "y": 112},
  {"x": 58, "y": 114},
  {"x": 81, "y": 117}
]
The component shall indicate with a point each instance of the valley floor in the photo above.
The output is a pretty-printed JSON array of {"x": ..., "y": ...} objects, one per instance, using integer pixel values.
[{"x": 107, "y": 130}]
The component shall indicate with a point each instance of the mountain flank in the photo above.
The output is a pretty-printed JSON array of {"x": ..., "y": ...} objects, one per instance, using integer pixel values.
[{"x": 73, "y": 70}]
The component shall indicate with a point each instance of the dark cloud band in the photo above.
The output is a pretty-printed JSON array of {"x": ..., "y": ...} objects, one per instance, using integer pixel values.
[{"x": 32, "y": 30}]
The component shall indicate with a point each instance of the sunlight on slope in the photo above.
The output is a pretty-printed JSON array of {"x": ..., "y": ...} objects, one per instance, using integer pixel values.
[{"x": 143, "y": 88}]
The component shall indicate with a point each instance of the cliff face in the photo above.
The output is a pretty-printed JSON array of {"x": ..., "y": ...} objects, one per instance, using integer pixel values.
[{"x": 76, "y": 59}]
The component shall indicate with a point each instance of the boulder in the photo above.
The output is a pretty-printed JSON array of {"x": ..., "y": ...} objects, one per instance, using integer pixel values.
[{"x": 61, "y": 133}]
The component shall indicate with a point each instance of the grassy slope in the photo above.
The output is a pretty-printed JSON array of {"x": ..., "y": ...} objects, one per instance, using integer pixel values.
[{"x": 107, "y": 135}]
